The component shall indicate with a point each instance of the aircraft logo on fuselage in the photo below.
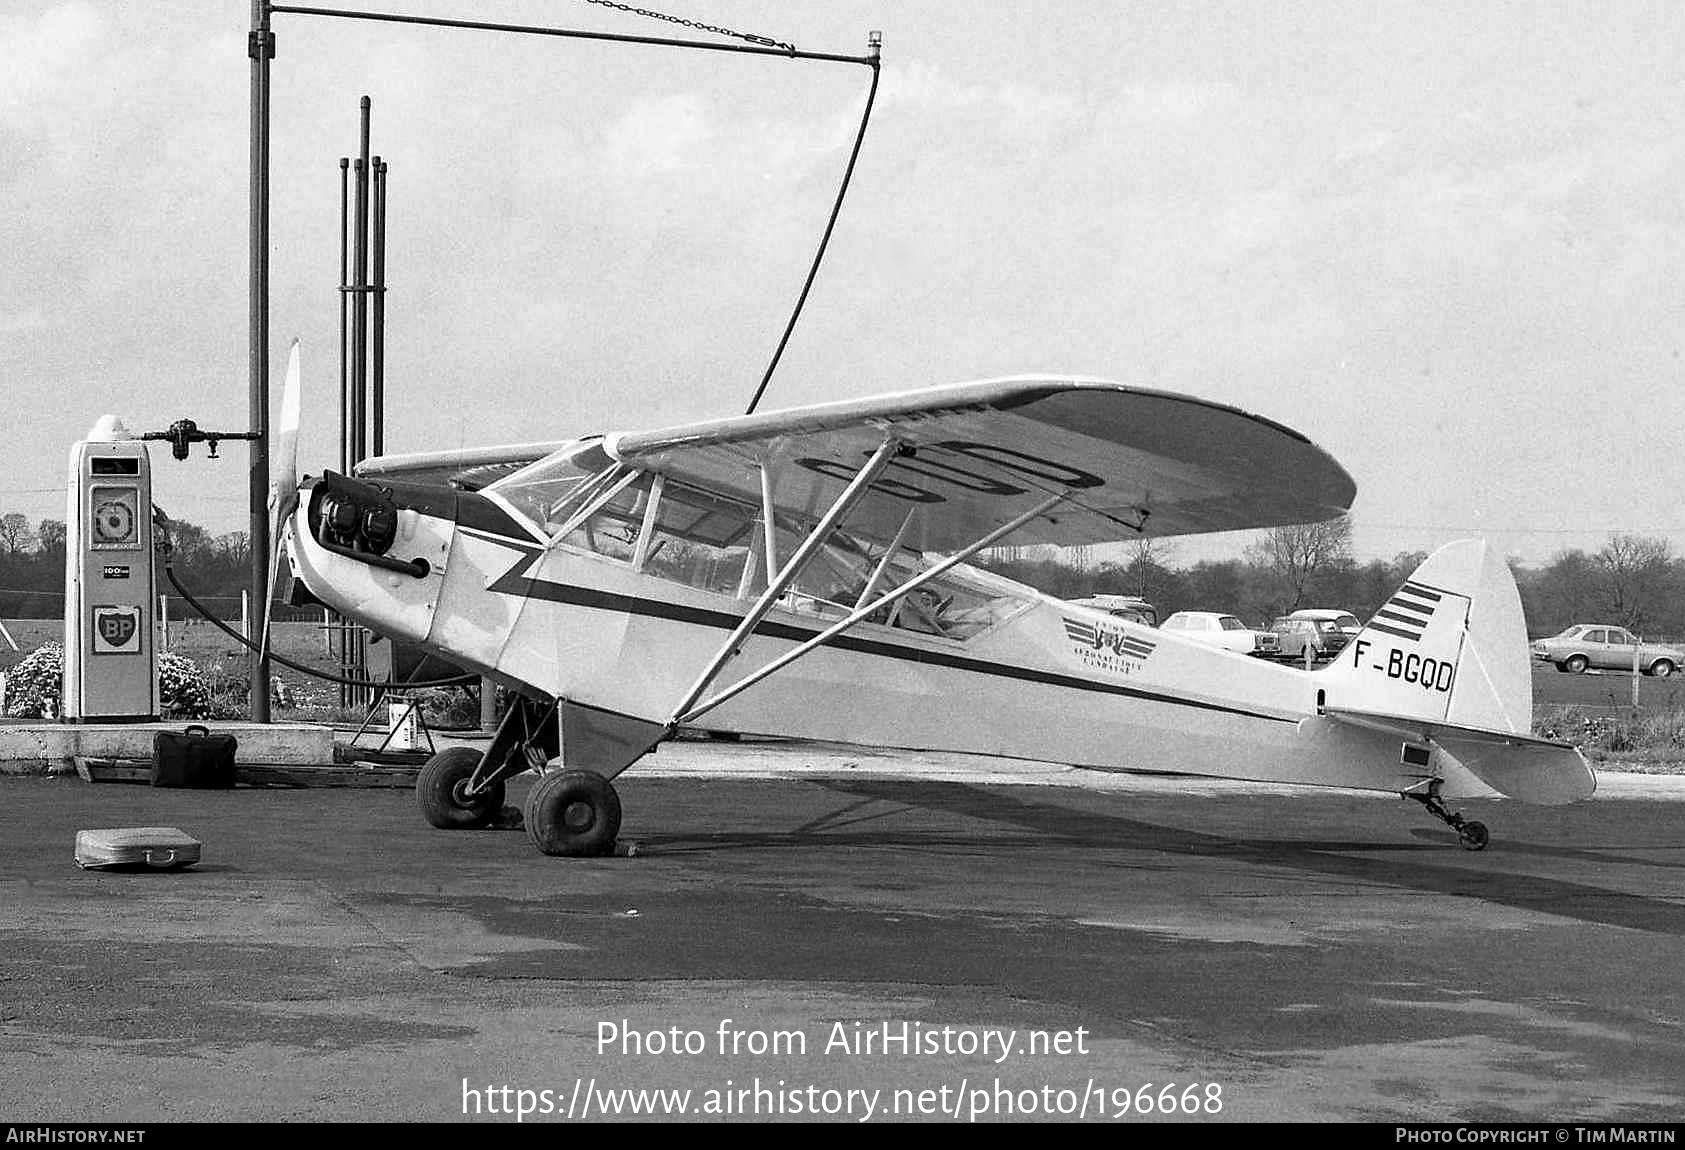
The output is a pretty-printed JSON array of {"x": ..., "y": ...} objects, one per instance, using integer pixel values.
[{"x": 1105, "y": 646}]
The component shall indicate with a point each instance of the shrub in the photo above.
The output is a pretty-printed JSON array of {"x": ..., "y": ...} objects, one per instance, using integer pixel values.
[
  {"x": 183, "y": 690},
  {"x": 32, "y": 685},
  {"x": 35, "y": 685}
]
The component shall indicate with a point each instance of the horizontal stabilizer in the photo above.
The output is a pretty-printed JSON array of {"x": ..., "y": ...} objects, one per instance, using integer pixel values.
[{"x": 1533, "y": 770}]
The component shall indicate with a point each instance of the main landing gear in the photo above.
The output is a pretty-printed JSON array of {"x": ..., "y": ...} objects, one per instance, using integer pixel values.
[
  {"x": 1471, "y": 835},
  {"x": 568, "y": 812}
]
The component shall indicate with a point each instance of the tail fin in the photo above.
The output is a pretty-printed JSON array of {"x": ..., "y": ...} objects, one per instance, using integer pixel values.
[
  {"x": 1450, "y": 646},
  {"x": 1445, "y": 662}
]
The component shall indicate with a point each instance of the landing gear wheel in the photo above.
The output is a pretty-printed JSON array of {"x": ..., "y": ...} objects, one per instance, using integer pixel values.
[
  {"x": 441, "y": 791},
  {"x": 573, "y": 813},
  {"x": 1471, "y": 835}
]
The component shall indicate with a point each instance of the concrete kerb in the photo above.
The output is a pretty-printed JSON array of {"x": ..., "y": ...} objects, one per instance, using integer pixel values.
[{"x": 52, "y": 748}]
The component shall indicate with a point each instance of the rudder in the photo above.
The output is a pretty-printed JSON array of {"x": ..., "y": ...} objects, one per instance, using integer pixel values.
[{"x": 1450, "y": 646}]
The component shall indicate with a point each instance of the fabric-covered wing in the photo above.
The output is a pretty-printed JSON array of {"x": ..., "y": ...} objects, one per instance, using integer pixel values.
[
  {"x": 466, "y": 468},
  {"x": 1132, "y": 462}
]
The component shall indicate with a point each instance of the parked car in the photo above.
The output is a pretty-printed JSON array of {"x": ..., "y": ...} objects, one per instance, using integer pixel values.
[
  {"x": 1344, "y": 620},
  {"x": 1587, "y": 645},
  {"x": 1324, "y": 637},
  {"x": 1225, "y": 631},
  {"x": 1131, "y": 607}
]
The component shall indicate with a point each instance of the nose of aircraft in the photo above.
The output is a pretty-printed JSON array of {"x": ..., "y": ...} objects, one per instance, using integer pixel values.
[
  {"x": 361, "y": 520},
  {"x": 376, "y": 553}
]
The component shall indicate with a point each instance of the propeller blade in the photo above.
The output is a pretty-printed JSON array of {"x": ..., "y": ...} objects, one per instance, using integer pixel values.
[{"x": 283, "y": 477}]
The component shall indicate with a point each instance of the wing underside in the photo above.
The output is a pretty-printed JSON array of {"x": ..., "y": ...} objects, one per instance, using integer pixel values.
[{"x": 1129, "y": 462}]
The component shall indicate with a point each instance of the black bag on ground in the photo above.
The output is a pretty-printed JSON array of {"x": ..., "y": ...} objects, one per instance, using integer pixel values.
[{"x": 193, "y": 758}]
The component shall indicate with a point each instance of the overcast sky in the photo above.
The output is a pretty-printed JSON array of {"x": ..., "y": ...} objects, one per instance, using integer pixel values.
[{"x": 1443, "y": 240}]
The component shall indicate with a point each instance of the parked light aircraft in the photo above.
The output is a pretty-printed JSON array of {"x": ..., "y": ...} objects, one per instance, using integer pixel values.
[{"x": 802, "y": 574}]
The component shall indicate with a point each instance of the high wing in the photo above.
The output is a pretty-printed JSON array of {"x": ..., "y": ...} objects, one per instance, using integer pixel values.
[
  {"x": 1130, "y": 462},
  {"x": 465, "y": 468}
]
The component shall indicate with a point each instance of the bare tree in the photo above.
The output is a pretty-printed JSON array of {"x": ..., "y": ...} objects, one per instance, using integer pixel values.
[
  {"x": 1295, "y": 555},
  {"x": 15, "y": 534},
  {"x": 1636, "y": 573},
  {"x": 233, "y": 548},
  {"x": 50, "y": 534},
  {"x": 1147, "y": 554}
]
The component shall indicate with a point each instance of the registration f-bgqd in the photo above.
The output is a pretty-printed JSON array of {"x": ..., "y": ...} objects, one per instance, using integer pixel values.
[{"x": 802, "y": 574}]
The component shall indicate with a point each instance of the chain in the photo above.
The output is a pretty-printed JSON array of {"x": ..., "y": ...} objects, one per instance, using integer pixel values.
[{"x": 750, "y": 37}]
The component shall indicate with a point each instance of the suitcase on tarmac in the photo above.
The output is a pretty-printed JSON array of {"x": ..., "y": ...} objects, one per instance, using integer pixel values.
[
  {"x": 136, "y": 848},
  {"x": 193, "y": 758}
]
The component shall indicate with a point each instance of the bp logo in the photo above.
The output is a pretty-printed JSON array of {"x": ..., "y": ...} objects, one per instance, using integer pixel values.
[{"x": 116, "y": 630}]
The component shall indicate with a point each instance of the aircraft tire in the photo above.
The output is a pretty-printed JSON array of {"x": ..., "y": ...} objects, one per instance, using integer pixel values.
[
  {"x": 574, "y": 814},
  {"x": 1473, "y": 836},
  {"x": 438, "y": 791}
]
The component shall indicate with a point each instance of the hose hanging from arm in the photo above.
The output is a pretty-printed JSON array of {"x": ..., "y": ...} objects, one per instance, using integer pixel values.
[
  {"x": 170, "y": 574},
  {"x": 830, "y": 225}
]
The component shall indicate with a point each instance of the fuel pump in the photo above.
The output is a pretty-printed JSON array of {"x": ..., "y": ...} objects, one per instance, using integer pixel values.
[{"x": 110, "y": 641}]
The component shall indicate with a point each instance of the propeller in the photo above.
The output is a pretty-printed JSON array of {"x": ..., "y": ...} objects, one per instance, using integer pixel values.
[{"x": 283, "y": 478}]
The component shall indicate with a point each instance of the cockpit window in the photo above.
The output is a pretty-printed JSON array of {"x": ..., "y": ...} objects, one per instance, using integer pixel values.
[
  {"x": 612, "y": 529},
  {"x": 699, "y": 539},
  {"x": 548, "y": 491},
  {"x": 958, "y": 605},
  {"x": 707, "y": 541}
]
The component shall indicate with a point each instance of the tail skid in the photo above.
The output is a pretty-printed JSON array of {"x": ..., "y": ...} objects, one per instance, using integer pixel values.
[{"x": 1444, "y": 665}]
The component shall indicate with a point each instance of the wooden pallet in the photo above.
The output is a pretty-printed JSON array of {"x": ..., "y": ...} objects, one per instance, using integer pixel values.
[{"x": 357, "y": 774}]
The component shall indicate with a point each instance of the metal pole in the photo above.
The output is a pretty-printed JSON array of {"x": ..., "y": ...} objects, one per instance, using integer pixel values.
[
  {"x": 359, "y": 297},
  {"x": 360, "y": 351},
  {"x": 260, "y": 47},
  {"x": 336, "y": 642},
  {"x": 377, "y": 422},
  {"x": 344, "y": 288}
]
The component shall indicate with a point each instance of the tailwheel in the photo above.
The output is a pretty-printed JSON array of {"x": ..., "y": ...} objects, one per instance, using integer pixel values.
[
  {"x": 442, "y": 791},
  {"x": 573, "y": 813},
  {"x": 1471, "y": 835}
]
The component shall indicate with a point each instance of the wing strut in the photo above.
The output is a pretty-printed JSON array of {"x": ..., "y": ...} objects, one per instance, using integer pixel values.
[
  {"x": 682, "y": 715},
  {"x": 845, "y": 502},
  {"x": 888, "y": 556}
]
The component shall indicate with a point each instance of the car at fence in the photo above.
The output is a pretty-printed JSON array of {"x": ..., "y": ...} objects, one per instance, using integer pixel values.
[
  {"x": 1585, "y": 646},
  {"x": 1324, "y": 638},
  {"x": 1131, "y": 607},
  {"x": 1344, "y": 620},
  {"x": 1220, "y": 630}
]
